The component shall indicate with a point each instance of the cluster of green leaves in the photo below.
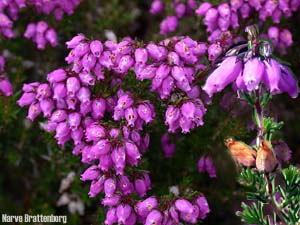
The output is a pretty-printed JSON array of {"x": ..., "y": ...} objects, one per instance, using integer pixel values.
[{"x": 275, "y": 197}]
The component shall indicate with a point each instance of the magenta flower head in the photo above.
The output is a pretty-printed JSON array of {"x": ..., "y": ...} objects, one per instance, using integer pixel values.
[
  {"x": 33, "y": 111},
  {"x": 224, "y": 10},
  {"x": 132, "y": 153},
  {"x": 94, "y": 132},
  {"x": 96, "y": 48},
  {"x": 30, "y": 31},
  {"x": 75, "y": 41},
  {"x": 157, "y": 52},
  {"x": 283, "y": 151},
  {"x": 141, "y": 56},
  {"x": 273, "y": 34},
  {"x": 96, "y": 186},
  {"x": 253, "y": 73},
  {"x": 184, "y": 206},
  {"x": 26, "y": 99},
  {"x": 226, "y": 73},
  {"x": 47, "y": 106},
  {"x": 154, "y": 217},
  {"x": 236, "y": 4},
  {"x": 191, "y": 217},
  {"x": 286, "y": 37},
  {"x": 144, "y": 207},
  {"x": 140, "y": 187},
  {"x": 111, "y": 217},
  {"x": 272, "y": 75},
  {"x": 73, "y": 85},
  {"x": 51, "y": 37},
  {"x": 146, "y": 112},
  {"x": 287, "y": 82},
  {"x": 203, "y": 8},
  {"x": 110, "y": 186},
  {"x": 57, "y": 76},
  {"x": 123, "y": 212},
  {"x": 157, "y": 7},
  {"x": 118, "y": 157},
  {"x": 205, "y": 164},
  {"x": 167, "y": 146},
  {"x": 98, "y": 108},
  {"x": 125, "y": 185},
  {"x": 214, "y": 51},
  {"x": 203, "y": 207},
  {"x": 90, "y": 174},
  {"x": 180, "y": 10},
  {"x": 124, "y": 102},
  {"x": 6, "y": 87}
]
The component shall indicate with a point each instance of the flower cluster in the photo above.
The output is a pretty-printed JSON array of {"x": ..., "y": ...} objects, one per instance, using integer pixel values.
[
  {"x": 90, "y": 105},
  {"x": 281, "y": 38},
  {"x": 5, "y": 85},
  {"x": 9, "y": 11},
  {"x": 57, "y": 7},
  {"x": 41, "y": 33},
  {"x": 171, "y": 66},
  {"x": 221, "y": 19},
  {"x": 205, "y": 164},
  {"x": 181, "y": 9},
  {"x": 167, "y": 145},
  {"x": 186, "y": 116},
  {"x": 249, "y": 72}
]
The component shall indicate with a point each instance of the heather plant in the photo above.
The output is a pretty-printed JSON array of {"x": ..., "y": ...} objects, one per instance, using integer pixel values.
[{"x": 156, "y": 133}]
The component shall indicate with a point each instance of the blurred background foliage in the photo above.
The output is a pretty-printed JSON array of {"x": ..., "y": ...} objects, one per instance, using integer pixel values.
[{"x": 32, "y": 165}]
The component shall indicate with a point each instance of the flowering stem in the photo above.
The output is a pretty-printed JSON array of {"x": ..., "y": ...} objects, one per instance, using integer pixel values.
[
  {"x": 272, "y": 200},
  {"x": 259, "y": 112}
]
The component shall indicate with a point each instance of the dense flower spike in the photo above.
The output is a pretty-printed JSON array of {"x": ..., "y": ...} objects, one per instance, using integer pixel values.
[{"x": 107, "y": 127}]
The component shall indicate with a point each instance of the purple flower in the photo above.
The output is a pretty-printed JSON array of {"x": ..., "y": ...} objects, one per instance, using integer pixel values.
[
  {"x": 203, "y": 8},
  {"x": 157, "y": 7},
  {"x": 154, "y": 217},
  {"x": 205, "y": 164},
  {"x": 26, "y": 99},
  {"x": 214, "y": 51},
  {"x": 125, "y": 185},
  {"x": 123, "y": 213},
  {"x": 111, "y": 217},
  {"x": 90, "y": 174},
  {"x": 140, "y": 187},
  {"x": 287, "y": 82},
  {"x": 282, "y": 150},
  {"x": 118, "y": 157},
  {"x": 156, "y": 52},
  {"x": 146, "y": 112},
  {"x": 184, "y": 206},
  {"x": 272, "y": 75},
  {"x": 94, "y": 132},
  {"x": 47, "y": 105},
  {"x": 96, "y": 48},
  {"x": 146, "y": 206},
  {"x": 141, "y": 56},
  {"x": 226, "y": 73},
  {"x": 33, "y": 111},
  {"x": 96, "y": 187},
  {"x": 203, "y": 207},
  {"x": 110, "y": 187}
]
